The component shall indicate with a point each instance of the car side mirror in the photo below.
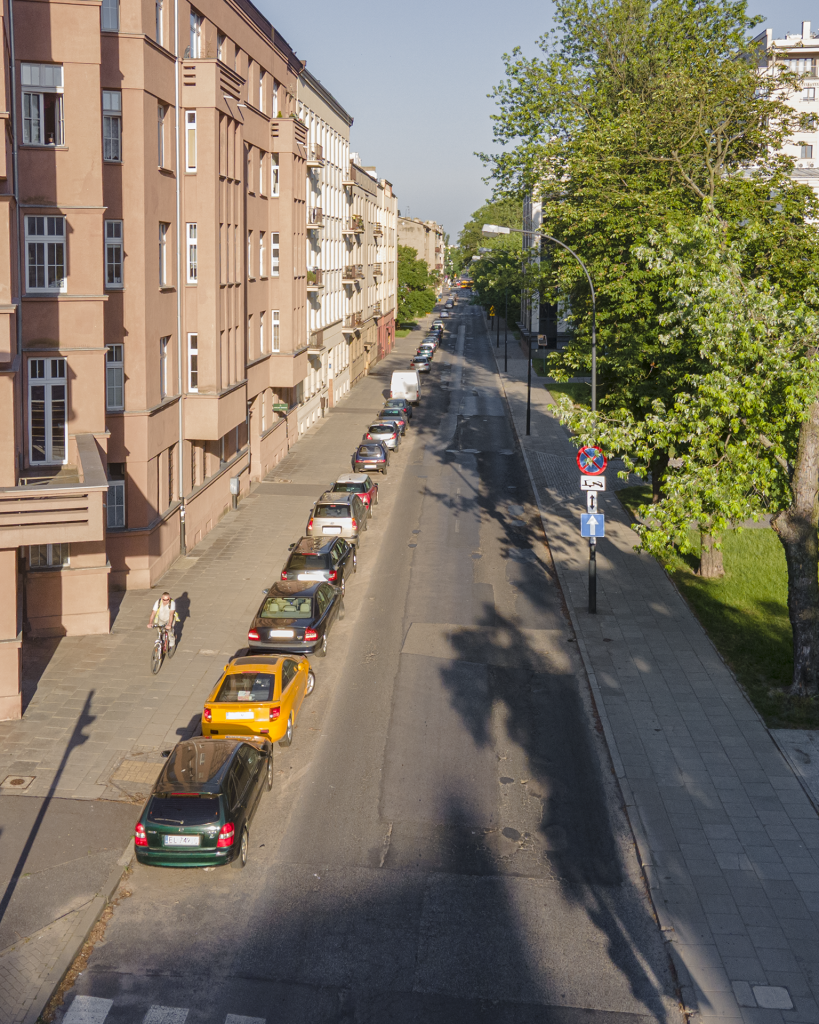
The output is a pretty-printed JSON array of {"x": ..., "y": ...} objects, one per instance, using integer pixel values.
[
  {"x": 266, "y": 591},
  {"x": 225, "y": 668},
  {"x": 166, "y": 753},
  {"x": 290, "y": 548}
]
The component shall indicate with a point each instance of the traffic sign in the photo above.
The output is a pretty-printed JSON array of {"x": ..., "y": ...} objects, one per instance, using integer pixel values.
[
  {"x": 592, "y": 483},
  {"x": 491, "y": 310},
  {"x": 593, "y": 525},
  {"x": 591, "y": 460},
  {"x": 280, "y": 407},
  {"x": 591, "y": 501}
]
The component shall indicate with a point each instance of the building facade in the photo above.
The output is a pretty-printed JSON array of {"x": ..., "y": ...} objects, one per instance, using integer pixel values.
[{"x": 427, "y": 238}]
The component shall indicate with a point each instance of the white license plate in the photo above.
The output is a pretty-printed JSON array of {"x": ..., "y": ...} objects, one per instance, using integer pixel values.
[
  {"x": 181, "y": 840},
  {"x": 310, "y": 576},
  {"x": 331, "y": 529},
  {"x": 233, "y": 716},
  {"x": 281, "y": 632},
  {"x": 369, "y": 465}
]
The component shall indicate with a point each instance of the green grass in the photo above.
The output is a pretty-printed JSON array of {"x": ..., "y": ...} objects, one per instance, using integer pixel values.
[
  {"x": 579, "y": 393},
  {"x": 745, "y": 613},
  {"x": 402, "y": 332}
]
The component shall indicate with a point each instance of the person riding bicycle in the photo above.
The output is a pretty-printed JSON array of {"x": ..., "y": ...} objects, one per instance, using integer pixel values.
[{"x": 164, "y": 614}]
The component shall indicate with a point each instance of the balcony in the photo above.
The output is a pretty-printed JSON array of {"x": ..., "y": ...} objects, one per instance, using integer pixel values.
[
  {"x": 316, "y": 343},
  {"x": 378, "y": 269},
  {"x": 376, "y": 309},
  {"x": 353, "y": 273},
  {"x": 315, "y": 218},
  {"x": 355, "y": 225},
  {"x": 350, "y": 324},
  {"x": 315, "y": 157},
  {"x": 378, "y": 229},
  {"x": 315, "y": 279}
]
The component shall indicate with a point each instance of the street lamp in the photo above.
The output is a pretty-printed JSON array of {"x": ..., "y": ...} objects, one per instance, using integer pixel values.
[{"x": 475, "y": 259}]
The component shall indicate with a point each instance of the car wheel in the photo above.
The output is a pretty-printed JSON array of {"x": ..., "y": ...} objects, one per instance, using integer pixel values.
[
  {"x": 355, "y": 563},
  {"x": 384, "y": 470},
  {"x": 342, "y": 611},
  {"x": 270, "y": 772},
  {"x": 287, "y": 739},
  {"x": 311, "y": 684},
  {"x": 343, "y": 585},
  {"x": 321, "y": 649},
  {"x": 375, "y": 499},
  {"x": 240, "y": 859}
]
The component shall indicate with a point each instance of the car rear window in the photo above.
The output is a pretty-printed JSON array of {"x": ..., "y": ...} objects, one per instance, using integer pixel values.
[
  {"x": 350, "y": 488},
  {"x": 286, "y": 608},
  {"x": 195, "y": 761},
  {"x": 370, "y": 449},
  {"x": 246, "y": 687},
  {"x": 302, "y": 560},
  {"x": 395, "y": 403},
  {"x": 382, "y": 428},
  {"x": 190, "y": 809},
  {"x": 332, "y": 512}
]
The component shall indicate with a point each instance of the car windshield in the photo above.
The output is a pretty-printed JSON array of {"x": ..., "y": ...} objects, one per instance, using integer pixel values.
[
  {"x": 246, "y": 687},
  {"x": 190, "y": 809},
  {"x": 350, "y": 488},
  {"x": 298, "y": 607},
  {"x": 332, "y": 512},
  {"x": 301, "y": 560}
]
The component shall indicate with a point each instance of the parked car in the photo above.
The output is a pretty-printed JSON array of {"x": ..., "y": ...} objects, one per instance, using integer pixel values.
[
  {"x": 372, "y": 455},
  {"x": 339, "y": 515},
  {"x": 259, "y": 695},
  {"x": 399, "y": 403},
  {"x": 420, "y": 363},
  {"x": 385, "y": 432},
  {"x": 427, "y": 349},
  {"x": 406, "y": 384},
  {"x": 358, "y": 483},
  {"x": 200, "y": 808},
  {"x": 295, "y": 618},
  {"x": 394, "y": 416},
  {"x": 321, "y": 558},
  {"x": 439, "y": 324}
]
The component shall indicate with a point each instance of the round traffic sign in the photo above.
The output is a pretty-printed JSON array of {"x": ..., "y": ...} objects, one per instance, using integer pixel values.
[{"x": 591, "y": 460}]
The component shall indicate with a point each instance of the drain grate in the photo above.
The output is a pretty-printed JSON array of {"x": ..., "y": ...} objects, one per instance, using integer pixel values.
[{"x": 17, "y": 782}]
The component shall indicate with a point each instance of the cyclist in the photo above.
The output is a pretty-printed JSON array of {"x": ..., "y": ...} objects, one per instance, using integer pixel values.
[{"x": 164, "y": 614}]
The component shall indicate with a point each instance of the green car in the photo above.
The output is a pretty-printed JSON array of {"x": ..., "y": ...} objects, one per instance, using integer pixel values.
[{"x": 199, "y": 812}]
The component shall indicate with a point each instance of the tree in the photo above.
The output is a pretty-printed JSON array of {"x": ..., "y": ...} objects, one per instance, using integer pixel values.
[{"x": 416, "y": 293}]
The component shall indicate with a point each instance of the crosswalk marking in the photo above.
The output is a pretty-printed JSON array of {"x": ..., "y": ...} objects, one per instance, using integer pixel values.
[
  {"x": 166, "y": 1015},
  {"x": 235, "y": 1018},
  {"x": 88, "y": 1010}
]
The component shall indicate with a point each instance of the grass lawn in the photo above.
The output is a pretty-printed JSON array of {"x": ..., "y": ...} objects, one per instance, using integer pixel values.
[
  {"x": 402, "y": 332},
  {"x": 745, "y": 613},
  {"x": 579, "y": 393}
]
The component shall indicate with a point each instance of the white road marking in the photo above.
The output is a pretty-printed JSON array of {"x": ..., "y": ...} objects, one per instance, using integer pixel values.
[
  {"x": 236, "y": 1018},
  {"x": 166, "y": 1015},
  {"x": 88, "y": 1010}
]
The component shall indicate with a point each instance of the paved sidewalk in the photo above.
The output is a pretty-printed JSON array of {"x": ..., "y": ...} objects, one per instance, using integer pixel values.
[
  {"x": 94, "y": 730},
  {"x": 728, "y": 837}
]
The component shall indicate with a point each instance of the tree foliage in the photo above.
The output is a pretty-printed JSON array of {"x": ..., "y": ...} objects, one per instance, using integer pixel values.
[{"x": 416, "y": 285}]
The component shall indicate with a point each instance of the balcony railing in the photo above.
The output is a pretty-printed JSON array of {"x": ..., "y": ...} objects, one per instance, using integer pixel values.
[
  {"x": 355, "y": 272},
  {"x": 315, "y": 157},
  {"x": 316, "y": 342},
  {"x": 378, "y": 269},
  {"x": 377, "y": 309},
  {"x": 315, "y": 279},
  {"x": 378, "y": 229},
  {"x": 315, "y": 217},
  {"x": 354, "y": 226},
  {"x": 351, "y": 322}
]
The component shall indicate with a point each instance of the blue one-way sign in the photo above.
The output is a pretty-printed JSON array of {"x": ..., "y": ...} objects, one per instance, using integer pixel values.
[{"x": 593, "y": 525}]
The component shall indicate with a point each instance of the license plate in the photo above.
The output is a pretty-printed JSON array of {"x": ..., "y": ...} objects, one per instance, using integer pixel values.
[
  {"x": 233, "y": 716},
  {"x": 310, "y": 576},
  {"x": 181, "y": 840},
  {"x": 281, "y": 632},
  {"x": 369, "y": 465},
  {"x": 332, "y": 529}
]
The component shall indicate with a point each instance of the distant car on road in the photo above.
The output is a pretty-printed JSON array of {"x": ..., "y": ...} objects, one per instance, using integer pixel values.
[
  {"x": 385, "y": 432},
  {"x": 321, "y": 558},
  {"x": 420, "y": 363},
  {"x": 399, "y": 403},
  {"x": 295, "y": 618},
  {"x": 371, "y": 455},
  {"x": 358, "y": 483},
  {"x": 339, "y": 515},
  {"x": 394, "y": 416}
]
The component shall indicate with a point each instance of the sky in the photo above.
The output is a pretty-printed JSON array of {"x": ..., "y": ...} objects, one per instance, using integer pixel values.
[{"x": 415, "y": 79}]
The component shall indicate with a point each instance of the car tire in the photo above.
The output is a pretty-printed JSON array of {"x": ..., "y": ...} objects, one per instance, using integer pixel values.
[
  {"x": 342, "y": 611},
  {"x": 240, "y": 859},
  {"x": 311, "y": 684},
  {"x": 269, "y": 781},
  {"x": 287, "y": 739},
  {"x": 384, "y": 470},
  {"x": 321, "y": 648},
  {"x": 343, "y": 585},
  {"x": 355, "y": 562},
  {"x": 375, "y": 499}
]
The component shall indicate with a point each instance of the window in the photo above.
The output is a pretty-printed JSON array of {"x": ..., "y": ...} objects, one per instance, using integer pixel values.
[
  {"x": 261, "y": 89},
  {"x": 274, "y": 174},
  {"x": 250, "y": 336},
  {"x": 158, "y": 9},
  {"x": 170, "y": 476},
  {"x": 274, "y": 329},
  {"x": 196, "y": 34},
  {"x": 250, "y": 254},
  {"x": 113, "y": 254},
  {"x": 47, "y": 411},
  {"x": 193, "y": 363},
  {"x": 42, "y": 104},
  {"x": 190, "y": 140},
  {"x": 806, "y": 152},
  {"x": 163, "y": 366},
  {"x": 111, "y": 125},
  {"x": 220, "y": 46},
  {"x": 809, "y": 95},
  {"x": 163, "y": 254},
  {"x": 114, "y": 378},
  {"x": 261, "y": 254},
  {"x": 109, "y": 16},
  {"x": 192, "y": 261},
  {"x": 274, "y": 254},
  {"x": 160, "y": 134},
  {"x": 45, "y": 254},
  {"x": 261, "y": 333},
  {"x": 116, "y": 495},
  {"x": 262, "y": 165},
  {"x": 48, "y": 556}
]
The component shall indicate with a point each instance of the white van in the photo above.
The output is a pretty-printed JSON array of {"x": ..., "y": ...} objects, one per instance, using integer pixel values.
[{"x": 406, "y": 384}]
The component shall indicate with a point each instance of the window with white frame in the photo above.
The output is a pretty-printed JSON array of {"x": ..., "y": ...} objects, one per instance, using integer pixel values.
[
  {"x": 274, "y": 330},
  {"x": 113, "y": 254},
  {"x": 164, "y": 344},
  {"x": 806, "y": 152},
  {"x": 190, "y": 140},
  {"x": 250, "y": 260},
  {"x": 193, "y": 363},
  {"x": 47, "y": 406},
  {"x": 109, "y": 16},
  {"x": 196, "y": 34},
  {"x": 112, "y": 125},
  {"x": 274, "y": 174},
  {"x": 250, "y": 335},
  {"x": 158, "y": 31},
  {"x": 809, "y": 94},
  {"x": 163, "y": 254},
  {"x": 45, "y": 254},
  {"x": 261, "y": 333},
  {"x": 161, "y": 110},
  {"x": 116, "y": 496},
  {"x": 275, "y": 91},
  {"x": 261, "y": 253},
  {"x": 192, "y": 261},
  {"x": 274, "y": 254},
  {"x": 220, "y": 46},
  {"x": 42, "y": 88},
  {"x": 261, "y": 89},
  {"x": 48, "y": 556},
  {"x": 114, "y": 378}
]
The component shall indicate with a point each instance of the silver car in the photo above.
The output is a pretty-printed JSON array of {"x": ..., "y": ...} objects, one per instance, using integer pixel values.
[
  {"x": 337, "y": 514},
  {"x": 385, "y": 432}
]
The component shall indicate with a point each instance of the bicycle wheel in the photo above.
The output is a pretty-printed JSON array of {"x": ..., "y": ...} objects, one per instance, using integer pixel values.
[
  {"x": 156, "y": 658},
  {"x": 170, "y": 650}
]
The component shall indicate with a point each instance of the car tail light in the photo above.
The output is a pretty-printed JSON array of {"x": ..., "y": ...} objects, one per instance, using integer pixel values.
[
  {"x": 274, "y": 713},
  {"x": 140, "y": 839},
  {"x": 227, "y": 833},
  {"x": 284, "y": 574},
  {"x": 252, "y": 634},
  {"x": 310, "y": 524},
  {"x": 310, "y": 634},
  {"x": 207, "y": 714},
  {"x": 355, "y": 525},
  {"x": 369, "y": 437},
  {"x": 334, "y": 573}
]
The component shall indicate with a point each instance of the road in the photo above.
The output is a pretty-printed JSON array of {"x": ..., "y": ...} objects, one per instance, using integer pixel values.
[{"x": 445, "y": 841}]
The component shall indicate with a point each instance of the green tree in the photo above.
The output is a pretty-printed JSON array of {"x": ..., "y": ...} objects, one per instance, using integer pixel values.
[
  {"x": 416, "y": 285},
  {"x": 507, "y": 212}
]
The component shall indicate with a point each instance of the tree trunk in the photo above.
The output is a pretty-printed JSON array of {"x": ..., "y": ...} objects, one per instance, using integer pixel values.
[
  {"x": 796, "y": 528},
  {"x": 658, "y": 466},
  {"x": 711, "y": 566}
]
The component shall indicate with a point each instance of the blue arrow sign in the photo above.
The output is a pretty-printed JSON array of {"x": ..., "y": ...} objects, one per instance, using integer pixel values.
[{"x": 593, "y": 525}]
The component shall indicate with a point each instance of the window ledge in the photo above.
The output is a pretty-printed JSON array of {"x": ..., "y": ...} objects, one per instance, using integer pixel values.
[
  {"x": 167, "y": 288},
  {"x": 166, "y": 170},
  {"x": 44, "y": 146}
]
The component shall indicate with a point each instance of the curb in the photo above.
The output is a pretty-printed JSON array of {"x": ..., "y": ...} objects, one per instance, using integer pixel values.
[{"x": 79, "y": 934}]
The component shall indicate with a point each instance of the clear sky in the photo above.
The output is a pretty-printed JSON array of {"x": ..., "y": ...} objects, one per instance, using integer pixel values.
[{"x": 415, "y": 78}]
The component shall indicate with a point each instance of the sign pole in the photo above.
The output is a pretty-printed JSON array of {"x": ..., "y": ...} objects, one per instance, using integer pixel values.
[{"x": 592, "y": 575}]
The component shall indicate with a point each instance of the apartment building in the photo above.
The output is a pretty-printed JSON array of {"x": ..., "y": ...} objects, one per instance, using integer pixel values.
[
  {"x": 427, "y": 238},
  {"x": 541, "y": 323}
]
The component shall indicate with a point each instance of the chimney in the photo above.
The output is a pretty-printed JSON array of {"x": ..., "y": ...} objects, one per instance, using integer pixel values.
[{"x": 805, "y": 30}]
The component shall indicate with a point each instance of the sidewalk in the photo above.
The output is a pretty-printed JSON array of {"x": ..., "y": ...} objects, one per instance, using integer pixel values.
[
  {"x": 727, "y": 836},
  {"x": 88, "y": 745}
]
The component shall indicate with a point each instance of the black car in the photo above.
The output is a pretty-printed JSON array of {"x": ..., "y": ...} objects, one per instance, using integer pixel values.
[
  {"x": 401, "y": 404},
  {"x": 371, "y": 455},
  {"x": 295, "y": 618},
  {"x": 199, "y": 811},
  {"x": 321, "y": 558}
]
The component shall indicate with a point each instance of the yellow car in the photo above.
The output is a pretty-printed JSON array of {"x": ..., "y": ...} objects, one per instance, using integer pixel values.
[{"x": 261, "y": 695}]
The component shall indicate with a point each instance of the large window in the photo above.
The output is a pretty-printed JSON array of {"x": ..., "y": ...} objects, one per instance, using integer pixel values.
[
  {"x": 47, "y": 411},
  {"x": 116, "y": 495},
  {"x": 274, "y": 330},
  {"x": 112, "y": 125},
  {"x": 45, "y": 254},
  {"x": 164, "y": 344},
  {"x": 220, "y": 46},
  {"x": 196, "y": 34},
  {"x": 192, "y": 260},
  {"x": 274, "y": 174},
  {"x": 190, "y": 140},
  {"x": 261, "y": 90},
  {"x": 42, "y": 104},
  {"x": 806, "y": 152},
  {"x": 159, "y": 34},
  {"x": 114, "y": 378},
  {"x": 193, "y": 363},
  {"x": 109, "y": 16},
  {"x": 113, "y": 254},
  {"x": 163, "y": 254},
  {"x": 48, "y": 556},
  {"x": 250, "y": 254},
  {"x": 809, "y": 95},
  {"x": 261, "y": 333},
  {"x": 160, "y": 134},
  {"x": 274, "y": 254},
  {"x": 261, "y": 254}
]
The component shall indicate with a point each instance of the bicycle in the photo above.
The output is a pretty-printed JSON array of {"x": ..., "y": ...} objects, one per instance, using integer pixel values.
[{"x": 162, "y": 647}]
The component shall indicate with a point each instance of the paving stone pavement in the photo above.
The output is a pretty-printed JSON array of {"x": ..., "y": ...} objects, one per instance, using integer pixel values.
[{"x": 728, "y": 837}]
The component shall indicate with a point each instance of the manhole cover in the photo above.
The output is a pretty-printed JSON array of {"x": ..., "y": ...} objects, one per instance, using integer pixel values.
[{"x": 17, "y": 782}]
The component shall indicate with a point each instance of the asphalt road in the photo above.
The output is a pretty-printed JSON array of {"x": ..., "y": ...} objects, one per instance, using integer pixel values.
[{"x": 444, "y": 842}]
